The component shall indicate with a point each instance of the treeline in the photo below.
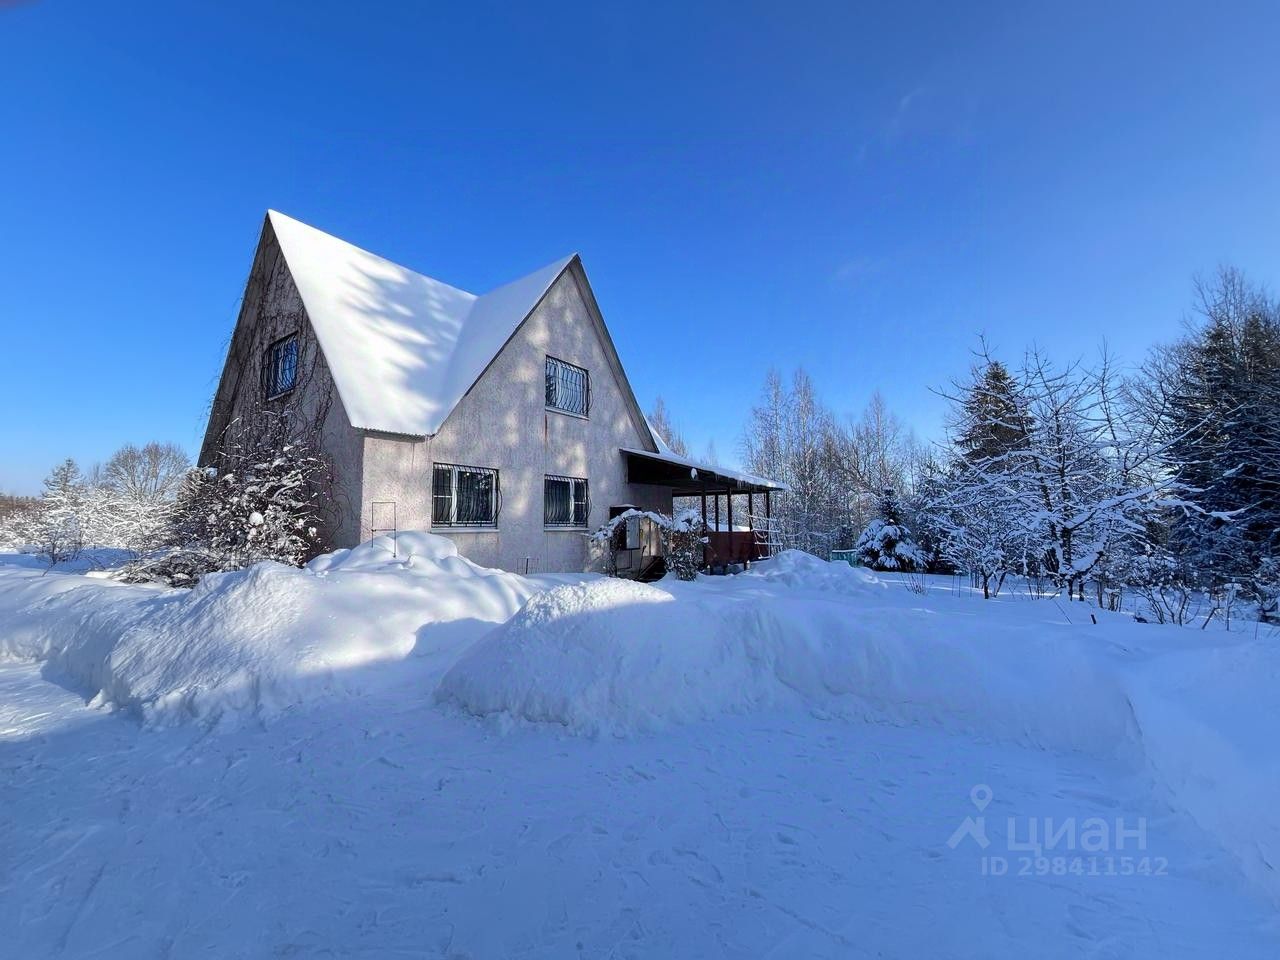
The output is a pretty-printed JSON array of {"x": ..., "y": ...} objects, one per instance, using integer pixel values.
[
  {"x": 173, "y": 522},
  {"x": 1165, "y": 480},
  {"x": 124, "y": 503}
]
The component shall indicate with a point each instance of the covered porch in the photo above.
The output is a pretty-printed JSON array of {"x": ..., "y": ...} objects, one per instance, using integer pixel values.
[{"x": 736, "y": 507}]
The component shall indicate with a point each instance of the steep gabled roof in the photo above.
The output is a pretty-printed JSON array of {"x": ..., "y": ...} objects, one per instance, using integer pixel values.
[{"x": 403, "y": 348}]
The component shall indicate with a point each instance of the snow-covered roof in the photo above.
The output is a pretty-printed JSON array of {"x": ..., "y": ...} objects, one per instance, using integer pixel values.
[
  {"x": 659, "y": 440},
  {"x": 711, "y": 471},
  {"x": 403, "y": 348}
]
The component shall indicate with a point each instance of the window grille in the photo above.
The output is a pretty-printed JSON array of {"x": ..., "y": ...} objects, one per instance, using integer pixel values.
[
  {"x": 464, "y": 496},
  {"x": 565, "y": 502},
  {"x": 568, "y": 387},
  {"x": 282, "y": 366}
]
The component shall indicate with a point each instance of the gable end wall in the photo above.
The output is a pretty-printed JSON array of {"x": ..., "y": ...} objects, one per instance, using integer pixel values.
[
  {"x": 502, "y": 422},
  {"x": 272, "y": 308}
]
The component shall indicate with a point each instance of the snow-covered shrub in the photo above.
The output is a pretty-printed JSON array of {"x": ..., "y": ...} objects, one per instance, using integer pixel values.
[
  {"x": 1166, "y": 582},
  {"x": 1266, "y": 587},
  {"x": 265, "y": 507},
  {"x": 684, "y": 544},
  {"x": 259, "y": 499},
  {"x": 886, "y": 543},
  {"x": 176, "y": 567}
]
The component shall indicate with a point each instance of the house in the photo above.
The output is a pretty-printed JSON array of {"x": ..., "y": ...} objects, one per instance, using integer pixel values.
[{"x": 504, "y": 421}]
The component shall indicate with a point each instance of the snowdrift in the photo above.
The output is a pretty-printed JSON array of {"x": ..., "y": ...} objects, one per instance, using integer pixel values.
[
  {"x": 613, "y": 657},
  {"x": 1196, "y": 710},
  {"x": 256, "y": 641}
]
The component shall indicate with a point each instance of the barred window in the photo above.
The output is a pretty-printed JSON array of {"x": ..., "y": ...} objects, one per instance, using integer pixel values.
[
  {"x": 282, "y": 366},
  {"x": 568, "y": 387},
  {"x": 464, "y": 496},
  {"x": 565, "y": 502}
]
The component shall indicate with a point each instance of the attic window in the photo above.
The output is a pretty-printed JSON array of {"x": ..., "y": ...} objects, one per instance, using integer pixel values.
[
  {"x": 464, "y": 496},
  {"x": 282, "y": 366},
  {"x": 565, "y": 502},
  {"x": 568, "y": 387}
]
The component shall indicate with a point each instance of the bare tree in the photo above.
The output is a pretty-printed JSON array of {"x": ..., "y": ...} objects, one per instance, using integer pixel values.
[
  {"x": 146, "y": 473},
  {"x": 661, "y": 423}
]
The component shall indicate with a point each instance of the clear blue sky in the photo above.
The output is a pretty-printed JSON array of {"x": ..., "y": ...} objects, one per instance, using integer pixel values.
[{"x": 856, "y": 188}]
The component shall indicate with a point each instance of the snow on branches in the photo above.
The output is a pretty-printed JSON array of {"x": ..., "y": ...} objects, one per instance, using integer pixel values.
[
  {"x": 1052, "y": 475},
  {"x": 886, "y": 543}
]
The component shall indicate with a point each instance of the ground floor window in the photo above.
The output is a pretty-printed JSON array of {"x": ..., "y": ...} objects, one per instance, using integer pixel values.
[
  {"x": 565, "y": 502},
  {"x": 464, "y": 496}
]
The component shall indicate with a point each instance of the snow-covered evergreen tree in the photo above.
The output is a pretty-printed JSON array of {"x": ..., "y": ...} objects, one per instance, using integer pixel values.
[
  {"x": 886, "y": 543},
  {"x": 58, "y": 526},
  {"x": 1214, "y": 397}
]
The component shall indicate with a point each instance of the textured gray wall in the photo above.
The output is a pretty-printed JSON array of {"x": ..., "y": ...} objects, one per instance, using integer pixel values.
[
  {"x": 503, "y": 423},
  {"x": 272, "y": 308}
]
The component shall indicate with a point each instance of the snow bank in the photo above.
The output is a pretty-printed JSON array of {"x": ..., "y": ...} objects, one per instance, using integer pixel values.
[
  {"x": 1197, "y": 711},
  {"x": 256, "y": 641},
  {"x": 800, "y": 570},
  {"x": 1209, "y": 725},
  {"x": 611, "y": 657}
]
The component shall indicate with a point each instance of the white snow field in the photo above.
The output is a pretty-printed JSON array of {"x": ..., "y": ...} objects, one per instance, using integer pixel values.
[{"x": 412, "y": 756}]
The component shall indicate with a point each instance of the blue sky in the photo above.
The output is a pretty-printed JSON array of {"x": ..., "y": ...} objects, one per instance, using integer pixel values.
[{"x": 859, "y": 189}]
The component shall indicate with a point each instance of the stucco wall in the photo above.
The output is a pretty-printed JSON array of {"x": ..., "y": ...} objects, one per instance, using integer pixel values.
[
  {"x": 272, "y": 309},
  {"x": 503, "y": 423}
]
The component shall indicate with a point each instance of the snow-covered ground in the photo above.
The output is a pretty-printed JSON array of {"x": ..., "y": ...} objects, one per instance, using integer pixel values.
[{"x": 417, "y": 757}]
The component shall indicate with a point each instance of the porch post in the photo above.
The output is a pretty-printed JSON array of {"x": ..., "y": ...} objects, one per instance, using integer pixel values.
[
  {"x": 768, "y": 525},
  {"x": 728, "y": 500},
  {"x": 704, "y": 522}
]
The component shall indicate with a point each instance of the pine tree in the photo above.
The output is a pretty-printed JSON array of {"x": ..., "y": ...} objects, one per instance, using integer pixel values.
[
  {"x": 886, "y": 543},
  {"x": 59, "y": 525},
  {"x": 992, "y": 422},
  {"x": 1215, "y": 396}
]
